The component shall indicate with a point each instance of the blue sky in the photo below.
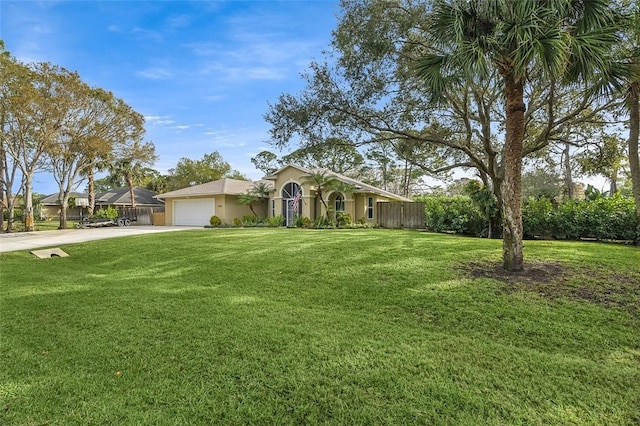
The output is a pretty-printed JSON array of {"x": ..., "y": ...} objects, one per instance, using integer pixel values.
[{"x": 201, "y": 72}]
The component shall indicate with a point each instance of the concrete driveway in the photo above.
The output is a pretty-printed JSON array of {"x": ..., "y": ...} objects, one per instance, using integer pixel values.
[{"x": 31, "y": 240}]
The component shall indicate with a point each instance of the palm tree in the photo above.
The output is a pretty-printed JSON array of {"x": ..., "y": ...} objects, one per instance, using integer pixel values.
[
  {"x": 262, "y": 190},
  {"x": 247, "y": 199},
  {"x": 560, "y": 39},
  {"x": 127, "y": 169},
  {"x": 131, "y": 165},
  {"x": 321, "y": 181},
  {"x": 633, "y": 103},
  {"x": 259, "y": 192}
]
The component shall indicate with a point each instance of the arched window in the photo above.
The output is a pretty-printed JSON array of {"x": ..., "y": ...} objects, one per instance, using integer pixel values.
[{"x": 339, "y": 204}]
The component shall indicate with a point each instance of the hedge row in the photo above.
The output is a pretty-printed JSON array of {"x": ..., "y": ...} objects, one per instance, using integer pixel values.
[
  {"x": 612, "y": 218},
  {"x": 455, "y": 214}
]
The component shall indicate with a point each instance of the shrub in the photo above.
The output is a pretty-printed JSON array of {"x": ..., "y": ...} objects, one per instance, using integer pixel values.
[
  {"x": 600, "y": 218},
  {"x": 323, "y": 222},
  {"x": 343, "y": 219},
  {"x": 456, "y": 214},
  {"x": 237, "y": 221},
  {"x": 215, "y": 221},
  {"x": 362, "y": 221},
  {"x": 303, "y": 222},
  {"x": 275, "y": 221},
  {"x": 611, "y": 218},
  {"x": 537, "y": 218},
  {"x": 109, "y": 213}
]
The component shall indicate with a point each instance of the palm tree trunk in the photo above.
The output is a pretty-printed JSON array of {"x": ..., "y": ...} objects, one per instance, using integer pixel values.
[
  {"x": 326, "y": 207},
  {"x": 131, "y": 192},
  {"x": 634, "y": 130},
  {"x": 3, "y": 159},
  {"x": 634, "y": 158},
  {"x": 512, "y": 247}
]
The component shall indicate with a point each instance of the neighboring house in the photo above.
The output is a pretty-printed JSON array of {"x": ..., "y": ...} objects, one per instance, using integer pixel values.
[
  {"x": 120, "y": 197},
  {"x": 196, "y": 205},
  {"x": 51, "y": 206}
]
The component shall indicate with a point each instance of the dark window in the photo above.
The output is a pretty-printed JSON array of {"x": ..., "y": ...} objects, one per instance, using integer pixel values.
[
  {"x": 370, "y": 207},
  {"x": 339, "y": 203}
]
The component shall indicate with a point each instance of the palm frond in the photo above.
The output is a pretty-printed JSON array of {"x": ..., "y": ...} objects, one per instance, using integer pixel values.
[{"x": 430, "y": 70}]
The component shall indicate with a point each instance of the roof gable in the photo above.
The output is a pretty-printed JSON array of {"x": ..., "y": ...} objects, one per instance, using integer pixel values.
[
  {"x": 360, "y": 187},
  {"x": 226, "y": 186}
]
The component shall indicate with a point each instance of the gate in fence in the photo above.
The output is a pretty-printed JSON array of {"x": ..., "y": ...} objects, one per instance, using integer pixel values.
[{"x": 400, "y": 214}]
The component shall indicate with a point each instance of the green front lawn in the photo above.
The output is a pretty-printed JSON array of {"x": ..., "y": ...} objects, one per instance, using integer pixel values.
[{"x": 279, "y": 326}]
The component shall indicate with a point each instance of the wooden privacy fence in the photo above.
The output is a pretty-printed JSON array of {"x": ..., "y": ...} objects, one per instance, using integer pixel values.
[
  {"x": 400, "y": 214},
  {"x": 140, "y": 215},
  {"x": 158, "y": 218}
]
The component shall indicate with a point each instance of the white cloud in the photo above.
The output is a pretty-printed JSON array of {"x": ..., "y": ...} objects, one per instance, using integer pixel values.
[
  {"x": 253, "y": 55},
  {"x": 181, "y": 127},
  {"x": 158, "y": 120}
]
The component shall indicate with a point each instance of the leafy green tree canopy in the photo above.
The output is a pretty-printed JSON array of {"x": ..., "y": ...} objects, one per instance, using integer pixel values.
[{"x": 210, "y": 167}]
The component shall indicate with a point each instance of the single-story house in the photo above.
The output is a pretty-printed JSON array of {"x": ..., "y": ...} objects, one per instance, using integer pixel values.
[
  {"x": 118, "y": 198},
  {"x": 196, "y": 204},
  {"x": 289, "y": 185},
  {"x": 121, "y": 197},
  {"x": 51, "y": 206}
]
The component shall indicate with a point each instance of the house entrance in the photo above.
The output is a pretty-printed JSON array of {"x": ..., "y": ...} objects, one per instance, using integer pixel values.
[{"x": 291, "y": 202}]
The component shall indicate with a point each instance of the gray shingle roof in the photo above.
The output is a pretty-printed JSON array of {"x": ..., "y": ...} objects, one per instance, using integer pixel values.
[
  {"x": 121, "y": 197},
  {"x": 52, "y": 200},
  {"x": 224, "y": 186}
]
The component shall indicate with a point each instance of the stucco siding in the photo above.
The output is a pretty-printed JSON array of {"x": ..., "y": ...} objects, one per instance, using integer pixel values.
[
  {"x": 290, "y": 174},
  {"x": 232, "y": 209}
]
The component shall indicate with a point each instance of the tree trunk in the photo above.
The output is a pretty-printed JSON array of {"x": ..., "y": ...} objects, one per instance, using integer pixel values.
[
  {"x": 131, "y": 192},
  {"x": 512, "y": 246},
  {"x": 634, "y": 129},
  {"x": 634, "y": 160},
  {"x": 28, "y": 204},
  {"x": 3, "y": 195},
  {"x": 63, "y": 211},
  {"x": 495, "y": 221},
  {"x": 568, "y": 179},
  {"x": 613, "y": 181},
  {"x": 91, "y": 197}
]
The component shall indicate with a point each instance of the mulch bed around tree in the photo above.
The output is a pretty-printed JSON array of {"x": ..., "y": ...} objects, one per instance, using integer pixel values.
[{"x": 554, "y": 280}]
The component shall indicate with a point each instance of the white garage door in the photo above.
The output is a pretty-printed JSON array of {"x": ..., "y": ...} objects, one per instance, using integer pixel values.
[{"x": 193, "y": 212}]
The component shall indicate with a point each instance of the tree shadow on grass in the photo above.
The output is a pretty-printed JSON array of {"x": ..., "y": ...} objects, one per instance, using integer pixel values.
[{"x": 555, "y": 280}]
